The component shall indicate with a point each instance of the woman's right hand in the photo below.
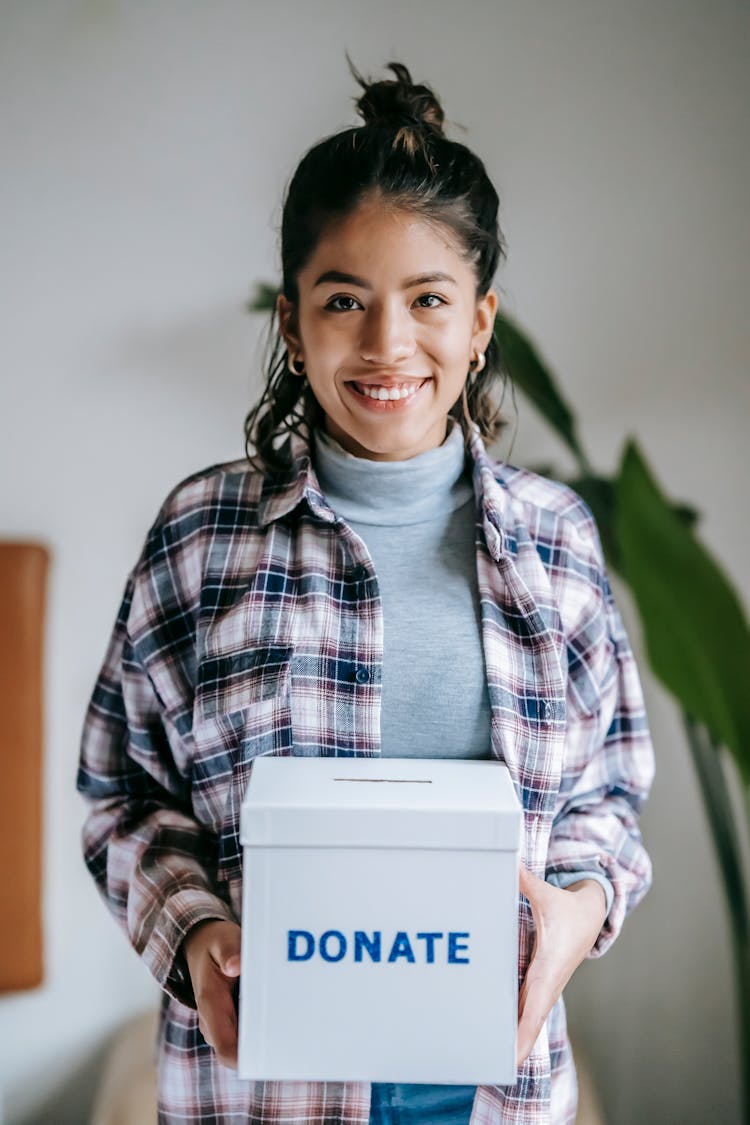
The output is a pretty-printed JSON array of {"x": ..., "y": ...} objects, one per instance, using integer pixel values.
[{"x": 212, "y": 952}]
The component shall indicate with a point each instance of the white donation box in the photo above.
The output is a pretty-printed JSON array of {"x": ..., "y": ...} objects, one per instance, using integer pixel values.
[{"x": 379, "y": 921}]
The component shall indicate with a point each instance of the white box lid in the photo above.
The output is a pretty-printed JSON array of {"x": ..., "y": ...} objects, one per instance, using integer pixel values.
[{"x": 380, "y": 803}]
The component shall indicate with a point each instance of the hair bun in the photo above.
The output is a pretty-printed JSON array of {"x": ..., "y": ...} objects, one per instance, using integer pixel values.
[{"x": 398, "y": 101}]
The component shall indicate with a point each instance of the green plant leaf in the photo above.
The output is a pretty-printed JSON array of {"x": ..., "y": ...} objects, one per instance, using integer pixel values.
[
  {"x": 694, "y": 625},
  {"x": 600, "y": 495},
  {"x": 535, "y": 380},
  {"x": 263, "y": 298}
]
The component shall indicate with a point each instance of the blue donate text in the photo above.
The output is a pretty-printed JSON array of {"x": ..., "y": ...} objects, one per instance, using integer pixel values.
[{"x": 425, "y": 946}]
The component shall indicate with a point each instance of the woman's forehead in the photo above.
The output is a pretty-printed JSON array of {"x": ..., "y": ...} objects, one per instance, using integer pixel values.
[{"x": 387, "y": 241}]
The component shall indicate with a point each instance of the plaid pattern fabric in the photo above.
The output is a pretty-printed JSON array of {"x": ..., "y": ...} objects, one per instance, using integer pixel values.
[{"x": 251, "y": 624}]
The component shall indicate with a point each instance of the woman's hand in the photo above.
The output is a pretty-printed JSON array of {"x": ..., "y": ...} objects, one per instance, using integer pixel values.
[
  {"x": 567, "y": 924},
  {"x": 212, "y": 952}
]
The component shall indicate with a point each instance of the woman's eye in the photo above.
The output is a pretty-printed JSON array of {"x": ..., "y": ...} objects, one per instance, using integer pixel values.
[
  {"x": 430, "y": 297},
  {"x": 332, "y": 304}
]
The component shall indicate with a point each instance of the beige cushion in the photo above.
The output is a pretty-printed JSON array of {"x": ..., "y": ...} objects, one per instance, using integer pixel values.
[{"x": 127, "y": 1091}]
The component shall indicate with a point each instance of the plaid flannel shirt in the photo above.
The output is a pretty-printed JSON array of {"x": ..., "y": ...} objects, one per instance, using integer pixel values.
[{"x": 251, "y": 624}]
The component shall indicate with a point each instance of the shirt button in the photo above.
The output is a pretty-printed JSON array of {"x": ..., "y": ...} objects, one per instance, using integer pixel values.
[
  {"x": 362, "y": 676},
  {"x": 359, "y": 574}
]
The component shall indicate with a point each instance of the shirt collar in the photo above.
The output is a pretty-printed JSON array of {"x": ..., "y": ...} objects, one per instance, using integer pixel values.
[{"x": 283, "y": 491}]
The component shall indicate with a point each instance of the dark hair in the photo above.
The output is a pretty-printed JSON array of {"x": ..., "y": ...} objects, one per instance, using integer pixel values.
[{"x": 401, "y": 153}]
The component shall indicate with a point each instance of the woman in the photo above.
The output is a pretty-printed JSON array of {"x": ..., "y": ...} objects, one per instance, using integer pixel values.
[{"x": 310, "y": 600}]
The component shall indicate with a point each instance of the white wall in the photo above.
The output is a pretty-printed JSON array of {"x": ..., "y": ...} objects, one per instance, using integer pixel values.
[{"x": 145, "y": 148}]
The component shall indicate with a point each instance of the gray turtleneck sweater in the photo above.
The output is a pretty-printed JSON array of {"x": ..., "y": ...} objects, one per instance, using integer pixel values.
[{"x": 416, "y": 519}]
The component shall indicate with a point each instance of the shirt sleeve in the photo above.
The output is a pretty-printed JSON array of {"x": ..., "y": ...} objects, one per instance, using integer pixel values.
[
  {"x": 609, "y": 759},
  {"x": 152, "y": 862}
]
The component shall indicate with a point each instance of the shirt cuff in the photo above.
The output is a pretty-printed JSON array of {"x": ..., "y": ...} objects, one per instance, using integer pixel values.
[
  {"x": 165, "y": 954},
  {"x": 564, "y": 879}
]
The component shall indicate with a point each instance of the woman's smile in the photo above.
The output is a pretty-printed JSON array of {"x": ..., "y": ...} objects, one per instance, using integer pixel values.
[{"x": 387, "y": 396}]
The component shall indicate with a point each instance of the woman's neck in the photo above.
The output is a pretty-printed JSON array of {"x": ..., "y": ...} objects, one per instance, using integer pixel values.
[{"x": 393, "y": 492}]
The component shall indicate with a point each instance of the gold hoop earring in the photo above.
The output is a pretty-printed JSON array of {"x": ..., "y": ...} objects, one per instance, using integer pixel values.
[
  {"x": 291, "y": 365},
  {"x": 477, "y": 363}
]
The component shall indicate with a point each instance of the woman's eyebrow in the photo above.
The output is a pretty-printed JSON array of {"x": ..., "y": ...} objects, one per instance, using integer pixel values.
[{"x": 352, "y": 279}]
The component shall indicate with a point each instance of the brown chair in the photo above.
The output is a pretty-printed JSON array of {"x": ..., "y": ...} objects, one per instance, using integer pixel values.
[{"x": 23, "y": 581}]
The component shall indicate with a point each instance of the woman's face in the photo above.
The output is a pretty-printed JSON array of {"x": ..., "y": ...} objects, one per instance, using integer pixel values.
[{"x": 387, "y": 306}]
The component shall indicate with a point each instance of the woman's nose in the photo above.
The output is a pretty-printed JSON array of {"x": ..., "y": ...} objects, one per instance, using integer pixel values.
[{"x": 387, "y": 336}]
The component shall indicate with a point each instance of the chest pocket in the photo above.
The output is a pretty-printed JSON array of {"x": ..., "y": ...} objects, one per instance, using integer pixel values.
[
  {"x": 591, "y": 670},
  {"x": 242, "y": 711}
]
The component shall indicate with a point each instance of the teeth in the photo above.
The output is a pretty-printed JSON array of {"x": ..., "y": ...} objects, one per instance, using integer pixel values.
[{"x": 405, "y": 390}]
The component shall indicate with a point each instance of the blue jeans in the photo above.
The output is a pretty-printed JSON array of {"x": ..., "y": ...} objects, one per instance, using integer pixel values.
[{"x": 395, "y": 1103}]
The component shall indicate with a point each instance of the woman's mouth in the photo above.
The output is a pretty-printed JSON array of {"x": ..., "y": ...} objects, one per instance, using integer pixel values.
[{"x": 382, "y": 398}]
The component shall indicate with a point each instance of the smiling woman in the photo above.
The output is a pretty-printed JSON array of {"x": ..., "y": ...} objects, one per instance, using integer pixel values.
[
  {"x": 368, "y": 581},
  {"x": 389, "y": 245}
]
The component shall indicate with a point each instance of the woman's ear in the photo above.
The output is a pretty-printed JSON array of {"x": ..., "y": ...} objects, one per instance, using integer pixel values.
[
  {"x": 286, "y": 313},
  {"x": 484, "y": 320}
]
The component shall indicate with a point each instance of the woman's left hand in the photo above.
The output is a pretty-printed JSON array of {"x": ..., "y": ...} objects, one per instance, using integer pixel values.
[{"x": 567, "y": 923}]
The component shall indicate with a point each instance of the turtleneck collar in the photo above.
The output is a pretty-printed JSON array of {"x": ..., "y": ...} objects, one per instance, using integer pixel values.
[{"x": 393, "y": 492}]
